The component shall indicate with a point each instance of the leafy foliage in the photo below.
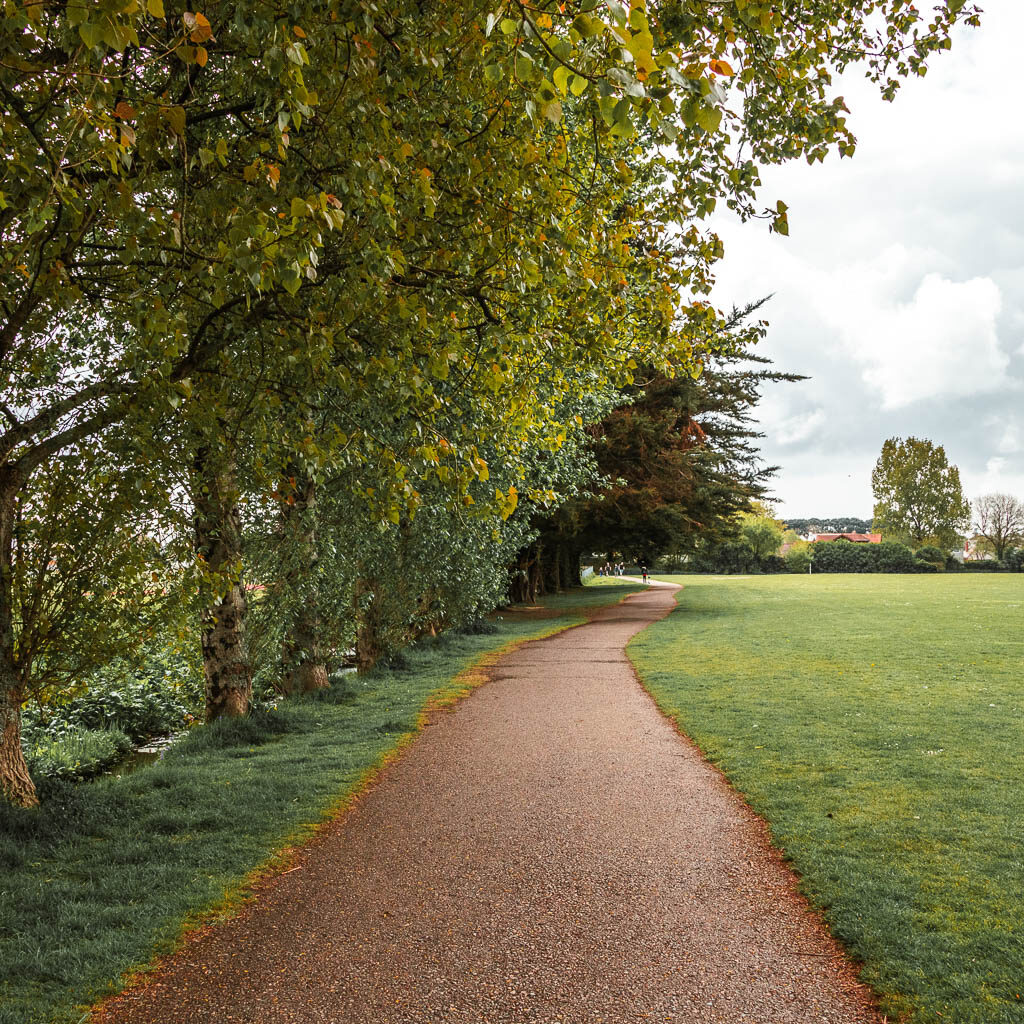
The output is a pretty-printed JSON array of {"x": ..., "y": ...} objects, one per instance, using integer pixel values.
[
  {"x": 918, "y": 493},
  {"x": 74, "y": 755},
  {"x": 846, "y": 556}
]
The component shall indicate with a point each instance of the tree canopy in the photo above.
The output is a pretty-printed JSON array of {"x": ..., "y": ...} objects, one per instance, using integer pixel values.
[{"x": 918, "y": 493}]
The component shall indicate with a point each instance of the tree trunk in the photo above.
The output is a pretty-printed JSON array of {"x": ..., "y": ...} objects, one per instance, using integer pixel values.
[
  {"x": 305, "y": 667},
  {"x": 15, "y": 782},
  {"x": 571, "y": 572},
  {"x": 368, "y": 625},
  {"x": 226, "y": 665}
]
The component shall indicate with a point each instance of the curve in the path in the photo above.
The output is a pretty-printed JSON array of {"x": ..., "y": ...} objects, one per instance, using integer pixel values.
[{"x": 551, "y": 851}]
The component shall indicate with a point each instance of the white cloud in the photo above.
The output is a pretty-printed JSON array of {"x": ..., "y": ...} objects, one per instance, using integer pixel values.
[
  {"x": 900, "y": 290},
  {"x": 1010, "y": 441},
  {"x": 943, "y": 342},
  {"x": 799, "y": 427}
]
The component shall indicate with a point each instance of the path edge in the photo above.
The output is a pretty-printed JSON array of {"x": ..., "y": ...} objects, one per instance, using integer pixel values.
[{"x": 871, "y": 997}]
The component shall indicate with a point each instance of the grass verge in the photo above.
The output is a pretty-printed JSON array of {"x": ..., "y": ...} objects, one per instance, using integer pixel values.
[
  {"x": 106, "y": 875},
  {"x": 876, "y": 723}
]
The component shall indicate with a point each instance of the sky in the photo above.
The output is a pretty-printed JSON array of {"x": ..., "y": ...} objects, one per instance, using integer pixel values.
[{"x": 900, "y": 288}]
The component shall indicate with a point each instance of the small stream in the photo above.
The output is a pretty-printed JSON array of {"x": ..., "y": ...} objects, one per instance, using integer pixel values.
[{"x": 141, "y": 756}]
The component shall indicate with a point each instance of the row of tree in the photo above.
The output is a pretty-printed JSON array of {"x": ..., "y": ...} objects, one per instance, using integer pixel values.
[{"x": 298, "y": 305}]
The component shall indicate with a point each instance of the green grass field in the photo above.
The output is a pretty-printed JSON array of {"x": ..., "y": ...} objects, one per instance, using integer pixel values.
[
  {"x": 104, "y": 875},
  {"x": 877, "y": 723}
]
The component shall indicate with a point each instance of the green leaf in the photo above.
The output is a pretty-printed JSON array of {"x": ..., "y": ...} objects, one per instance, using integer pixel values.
[{"x": 709, "y": 118}]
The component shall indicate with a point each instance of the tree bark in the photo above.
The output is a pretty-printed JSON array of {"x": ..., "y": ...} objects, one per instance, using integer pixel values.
[
  {"x": 15, "y": 782},
  {"x": 367, "y": 616},
  {"x": 226, "y": 666},
  {"x": 305, "y": 667}
]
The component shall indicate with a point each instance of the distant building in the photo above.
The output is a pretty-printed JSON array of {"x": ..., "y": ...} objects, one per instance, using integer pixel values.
[{"x": 856, "y": 538}]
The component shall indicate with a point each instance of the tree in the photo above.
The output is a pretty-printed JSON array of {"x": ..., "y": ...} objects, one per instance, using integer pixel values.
[
  {"x": 678, "y": 454},
  {"x": 918, "y": 493},
  {"x": 763, "y": 533},
  {"x": 999, "y": 519}
]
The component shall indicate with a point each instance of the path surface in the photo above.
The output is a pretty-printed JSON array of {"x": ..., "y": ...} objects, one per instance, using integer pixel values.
[{"x": 551, "y": 851}]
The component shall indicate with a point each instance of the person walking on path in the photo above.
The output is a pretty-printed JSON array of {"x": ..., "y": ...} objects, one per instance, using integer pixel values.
[
  {"x": 643, "y": 570},
  {"x": 552, "y": 850}
]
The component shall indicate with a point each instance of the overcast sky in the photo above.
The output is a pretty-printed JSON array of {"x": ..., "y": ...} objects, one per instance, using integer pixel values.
[{"x": 900, "y": 289}]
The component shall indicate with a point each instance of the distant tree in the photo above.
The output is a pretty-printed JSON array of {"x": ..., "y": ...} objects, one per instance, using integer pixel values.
[
  {"x": 999, "y": 519},
  {"x": 763, "y": 534},
  {"x": 918, "y": 493}
]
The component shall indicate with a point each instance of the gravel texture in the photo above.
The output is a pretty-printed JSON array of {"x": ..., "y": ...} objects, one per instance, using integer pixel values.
[{"x": 550, "y": 851}]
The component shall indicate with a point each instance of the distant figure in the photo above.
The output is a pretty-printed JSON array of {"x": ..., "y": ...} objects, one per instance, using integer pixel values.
[{"x": 643, "y": 570}]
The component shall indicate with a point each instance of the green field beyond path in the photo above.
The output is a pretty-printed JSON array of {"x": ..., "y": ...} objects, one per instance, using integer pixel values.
[{"x": 877, "y": 723}]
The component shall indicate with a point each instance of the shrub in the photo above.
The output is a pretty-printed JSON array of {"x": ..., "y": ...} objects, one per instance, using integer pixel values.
[
  {"x": 798, "y": 560},
  {"x": 161, "y": 699},
  {"x": 479, "y": 626},
  {"x": 1015, "y": 560},
  {"x": 930, "y": 553},
  {"x": 773, "y": 564},
  {"x": 983, "y": 565},
  {"x": 842, "y": 556},
  {"x": 923, "y": 566},
  {"x": 891, "y": 556}
]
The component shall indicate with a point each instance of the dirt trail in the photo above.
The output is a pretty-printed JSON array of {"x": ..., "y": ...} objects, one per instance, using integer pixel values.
[{"x": 551, "y": 851}]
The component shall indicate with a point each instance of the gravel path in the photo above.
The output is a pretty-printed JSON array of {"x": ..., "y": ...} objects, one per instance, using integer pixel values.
[{"x": 552, "y": 851}]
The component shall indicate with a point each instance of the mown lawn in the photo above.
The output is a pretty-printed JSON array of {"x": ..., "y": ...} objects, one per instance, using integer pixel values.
[
  {"x": 105, "y": 874},
  {"x": 877, "y": 723}
]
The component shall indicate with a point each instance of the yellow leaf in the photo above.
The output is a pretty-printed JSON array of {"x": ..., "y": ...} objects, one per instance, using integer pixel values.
[
  {"x": 201, "y": 56},
  {"x": 298, "y": 31},
  {"x": 720, "y": 67},
  {"x": 155, "y": 8},
  {"x": 202, "y": 30},
  {"x": 175, "y": 117}
]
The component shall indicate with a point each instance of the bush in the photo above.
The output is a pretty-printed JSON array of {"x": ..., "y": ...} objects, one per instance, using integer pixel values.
[
  {"x": 930, "y": 553},
  {"x": 1015, "y": 560},
  {"x": 160, "y": 700},
  {"x": 891, "y": 556},
  {"x": 773, "y": 564},
  {"x": 842, "y": 556},
  {"x": 798, "y": 560},
  {"x": 983, "y": 565},
  {"x": 923, "y": 566},
  {"x": 75, "y": 755},
  {"x": 953, "y": 564}
]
